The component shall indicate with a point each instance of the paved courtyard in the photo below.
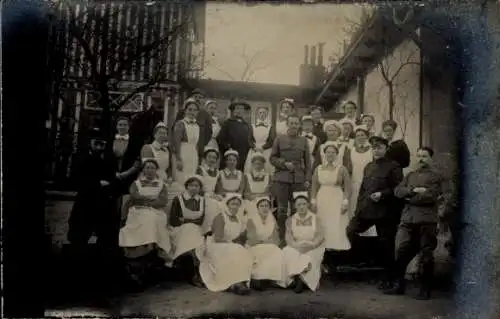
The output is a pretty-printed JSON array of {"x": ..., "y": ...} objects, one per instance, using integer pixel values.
[{"x": 342, "y": 300}]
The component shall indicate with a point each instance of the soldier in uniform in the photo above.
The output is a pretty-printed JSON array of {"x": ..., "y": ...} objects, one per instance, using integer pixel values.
[
  {"x": 291, "y": 158},
  {"x": 417, "y": 231},
  {"x": 376, "y": 196}
]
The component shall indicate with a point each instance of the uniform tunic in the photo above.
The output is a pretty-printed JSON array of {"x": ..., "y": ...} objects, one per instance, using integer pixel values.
[
  {"x": 303, "y": 230},
  {"x": 225, "y": 261},
  {"x": 186, "y": 218}
]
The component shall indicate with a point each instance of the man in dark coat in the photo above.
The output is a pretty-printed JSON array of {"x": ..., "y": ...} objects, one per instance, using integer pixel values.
[
  {"x": 204, "y": 120},
  {"x": 142, "y": 127},
  {"x": 236, "y": 133},
  {"x": 398, "y": 150},
  {"x": 318, "y": 121},
  {"x": 293, "y": 170},
  {"x": 93, "y": 211},
  {"x": 376, "y": 196},
  {"x": 417, "y": 231}
]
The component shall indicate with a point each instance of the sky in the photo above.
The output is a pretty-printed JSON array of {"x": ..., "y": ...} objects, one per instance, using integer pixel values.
[{"x": 273, "y": 36}]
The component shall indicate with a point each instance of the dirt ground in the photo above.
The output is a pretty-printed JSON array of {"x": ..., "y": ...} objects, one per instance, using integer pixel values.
[{"x": 337, "y": 300}]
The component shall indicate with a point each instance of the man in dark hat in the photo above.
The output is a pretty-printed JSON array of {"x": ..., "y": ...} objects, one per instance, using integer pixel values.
[
  {"x": 376, "y": 196},
  {"x": 204, "y": 120},
  {"x": 398, "y": 150},
  {"x": 236, "y": 133},
  {"x": 417, "y": 231}
]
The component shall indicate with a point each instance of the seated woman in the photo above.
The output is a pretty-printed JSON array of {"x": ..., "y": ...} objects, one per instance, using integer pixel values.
[
  {"x": 225, "y": 263},
  {"x": 263, "y": 241},
  {"x": 303, "y": 254},
  {"x": 257, "y": 182},
  {"x": 186, "y": 218},
  {"x": 230, "y": 180},
  {"x": 145, "y": 236},
  {"x": 209, "y": 172}
]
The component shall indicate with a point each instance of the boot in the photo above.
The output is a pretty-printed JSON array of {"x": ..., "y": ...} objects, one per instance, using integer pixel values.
[
  {"x": 398, "y": 288},
  {"x": 257, "y": 285},
  {"x": 424, "y": 292},
  {"x": 300, "y": 286},
  {"x": 241, "y": 289}
]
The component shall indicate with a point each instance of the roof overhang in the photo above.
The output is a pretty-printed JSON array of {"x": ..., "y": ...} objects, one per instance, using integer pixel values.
[{"x": 363, "y": 54}]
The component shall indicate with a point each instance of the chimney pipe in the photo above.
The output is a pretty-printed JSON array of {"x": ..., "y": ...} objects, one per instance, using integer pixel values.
[
  {"x": 313, "y": 55},
  {"x": 306, "y": 55},
  {"x": 320, "y": 53}
]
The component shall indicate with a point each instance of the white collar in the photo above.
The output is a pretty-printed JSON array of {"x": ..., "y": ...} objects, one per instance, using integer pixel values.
[
  {"x": 122, "y": 137},
  {"x": 228, "y": 171},
  {"x": 186, "y": 196}
]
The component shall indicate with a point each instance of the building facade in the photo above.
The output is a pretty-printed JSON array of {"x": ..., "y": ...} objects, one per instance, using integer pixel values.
[{"x": 113, "y": 53}]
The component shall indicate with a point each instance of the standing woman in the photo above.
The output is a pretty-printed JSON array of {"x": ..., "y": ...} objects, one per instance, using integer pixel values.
[
  {"x": 333, "y": 130},
  {"x": 225, "y": 263},
  {"x": 160, "y": 150},
  {"x": 347, "y": 132},
  {"x": 361, "y": 155},
  {"x": 211, "y": 108},
  {"x": 350, "y": 110},
  {"x": 303, "y": 254},
  {"x": 263, "y": 242},
  {"x": 331, "y": 189},
  {"x": 286, "y": 108},
  {"x": 186, "y": 141},
  {"x": 263, "y": 139},
  {"x": 145, "y": 238},
  {"x": 369, "y": 121}
]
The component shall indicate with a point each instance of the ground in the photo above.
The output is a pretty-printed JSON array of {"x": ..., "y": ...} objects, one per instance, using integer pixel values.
[{"x": 341, "y": 300}]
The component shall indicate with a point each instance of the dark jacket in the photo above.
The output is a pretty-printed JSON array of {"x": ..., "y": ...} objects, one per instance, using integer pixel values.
[
  {"x": 381, "y": 175},
  {"x": 398, "y": 151},
  {"x": 421, "y": 208},
  {"x": 236, "y": 134},
  {"x": 318, "y": 131},
  {"x": 294, "y": 150}
]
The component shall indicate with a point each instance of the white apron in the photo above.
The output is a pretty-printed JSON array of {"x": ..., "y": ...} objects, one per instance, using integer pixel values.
[
  {"x": 146, "y": 225},
  {"x": 163, "y": 159},
  {"x": 213, "y": 207},
  {"x": 359, "y": 161},
  {"x": 268, "y": 262},
  {"x": 329, "y": 205},
  {"x": 260, "y": 134},
  {"x": 215, "y": 131},
  {"x": 225, "y": 264},
  {"x": 296, "y": 262},
  {"x": 257, "y": 188},
  {"x": 187, "y": 236},
  {"x": 189, "y": 152}
]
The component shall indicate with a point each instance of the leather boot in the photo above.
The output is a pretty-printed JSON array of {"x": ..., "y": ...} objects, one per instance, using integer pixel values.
[
  {"x": 398, "y": 288},
  {"x": 300, "y": 286},
  {"x": 424, "y": 292}
]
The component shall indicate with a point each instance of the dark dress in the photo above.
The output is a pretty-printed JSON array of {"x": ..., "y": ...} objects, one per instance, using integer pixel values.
[
  {"x": 236, "y": 134},
  {"x": 398, "y": 151},
  {"x": 93, "y": 210}
]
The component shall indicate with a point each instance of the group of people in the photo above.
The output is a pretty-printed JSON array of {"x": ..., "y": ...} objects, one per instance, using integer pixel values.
[{"x": 264, "y": 204}]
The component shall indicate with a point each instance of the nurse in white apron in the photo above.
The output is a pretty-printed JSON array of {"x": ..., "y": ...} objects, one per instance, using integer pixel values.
[
  {"x": 361, "y": 155},
  {"x": 257, "y": 182},
  {"x": 210, "y": 173},
  {"x": 263, "y": 139},
  {"x": 161, "y": 151},
  {"x": 303, "y": 254},
  {"x": 145, "y": 231},
  {"x": 186, "y": 220},
  {"x": 263, "y": 240},
  {"x": 186, "y": 138},
  {"x": 211, "y": 108},
  {"x": 286, "y": 107},
  {"x": 347, "y": 132},
  {"x": 333, "y": 130},
  {"x": 225, "y": 263}
]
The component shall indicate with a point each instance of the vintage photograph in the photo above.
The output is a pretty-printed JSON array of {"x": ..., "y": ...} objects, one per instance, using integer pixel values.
[{"x": 229, "y": 159}]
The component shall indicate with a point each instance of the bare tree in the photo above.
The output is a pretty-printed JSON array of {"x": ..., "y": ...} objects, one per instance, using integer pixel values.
[
  {"x": 102, "y": 51},
  {"x": 251, "y": 64}
]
